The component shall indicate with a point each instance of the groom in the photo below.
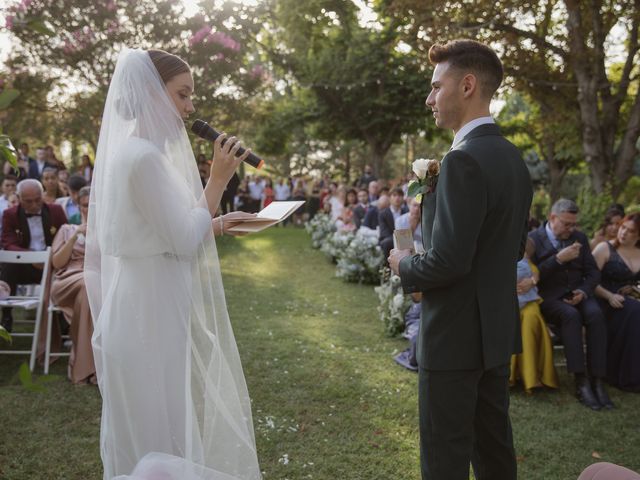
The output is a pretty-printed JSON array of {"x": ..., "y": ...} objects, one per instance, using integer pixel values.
[{"x": 474, "y": 232}]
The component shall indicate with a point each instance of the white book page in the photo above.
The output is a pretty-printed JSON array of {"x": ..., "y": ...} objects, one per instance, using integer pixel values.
[{"x": 279, "y": 210}]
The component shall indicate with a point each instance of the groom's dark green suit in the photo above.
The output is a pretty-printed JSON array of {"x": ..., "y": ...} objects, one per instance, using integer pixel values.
[{"x": 474, "y": 232}]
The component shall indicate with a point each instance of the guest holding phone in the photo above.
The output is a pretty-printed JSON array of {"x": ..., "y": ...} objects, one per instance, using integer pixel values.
[{"x": 568, "y": 278}]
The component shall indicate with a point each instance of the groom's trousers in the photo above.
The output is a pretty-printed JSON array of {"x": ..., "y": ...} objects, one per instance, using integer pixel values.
[{"x": 464, "y": 417}]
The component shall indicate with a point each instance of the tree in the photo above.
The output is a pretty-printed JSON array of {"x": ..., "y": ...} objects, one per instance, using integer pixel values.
[
  {"x": 79, "y": 56},
  {"x": 556, "y": 51},
  {"x": 363, "y": 87}
]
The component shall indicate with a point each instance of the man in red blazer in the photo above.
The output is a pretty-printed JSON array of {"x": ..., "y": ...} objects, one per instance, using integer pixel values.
[{"x": 29, "y": 226}]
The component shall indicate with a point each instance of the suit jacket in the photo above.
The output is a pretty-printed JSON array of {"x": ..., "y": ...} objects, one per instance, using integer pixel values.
[
  {"x": 371, "y": 217},
  {"x": 359, "y": 213},
  {"x": 474, "y": 232},
  {"x": 556, "y": 279},
  {"x": 15, "y": 227},
  {"x": 33, "y": 168},
  {"x": 387, "y": 222}
]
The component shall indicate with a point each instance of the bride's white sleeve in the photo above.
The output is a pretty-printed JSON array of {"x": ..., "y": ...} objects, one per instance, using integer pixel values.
[{"x": 181, "y": 224}]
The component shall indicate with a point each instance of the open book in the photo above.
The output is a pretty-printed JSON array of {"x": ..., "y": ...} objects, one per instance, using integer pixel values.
[{"x": 274, "y": 213}]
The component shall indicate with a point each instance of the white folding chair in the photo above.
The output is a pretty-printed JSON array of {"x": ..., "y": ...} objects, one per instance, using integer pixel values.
[
  {"x": 28, "y": 302},
  {"x": 47, "y": 348}
]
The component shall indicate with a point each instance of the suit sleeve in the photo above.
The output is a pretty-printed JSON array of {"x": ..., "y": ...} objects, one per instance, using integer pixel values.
[
  {"x": 386, "y": 230},
  {"x": 461, "y": 208},
  {"x": 10, "y": 240}
]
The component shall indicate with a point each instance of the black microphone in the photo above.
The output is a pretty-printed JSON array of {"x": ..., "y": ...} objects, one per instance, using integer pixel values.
[{"x": 204, "y": 130}]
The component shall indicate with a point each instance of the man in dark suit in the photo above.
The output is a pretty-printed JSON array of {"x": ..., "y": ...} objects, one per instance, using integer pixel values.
[
  {"x": 387, "y": 219},
  {"x": 372, "y": 217},
  {"x": 568, "y": 278},
  {"x": 474, "y": 225},
  {"x": 37, "y": 166},
  {"x": 361, "y": 208},
  {"x": 29, "y": 226}
]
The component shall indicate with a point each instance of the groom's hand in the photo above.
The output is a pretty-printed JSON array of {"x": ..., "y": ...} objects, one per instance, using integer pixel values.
[{"x": 394, "y": 259}]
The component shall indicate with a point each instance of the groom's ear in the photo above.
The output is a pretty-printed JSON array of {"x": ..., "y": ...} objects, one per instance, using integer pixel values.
[{"x": 469, "y": 84}]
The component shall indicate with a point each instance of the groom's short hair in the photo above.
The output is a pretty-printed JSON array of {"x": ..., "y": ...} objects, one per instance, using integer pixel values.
[{"x": 474, "y": 57}]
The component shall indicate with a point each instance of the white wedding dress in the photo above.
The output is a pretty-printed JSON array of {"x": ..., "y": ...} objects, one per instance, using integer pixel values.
[{"x": 175, "y": 403}]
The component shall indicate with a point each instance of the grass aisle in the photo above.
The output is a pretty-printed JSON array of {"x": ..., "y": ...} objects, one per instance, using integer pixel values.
[{"x": 328, "y": 401}]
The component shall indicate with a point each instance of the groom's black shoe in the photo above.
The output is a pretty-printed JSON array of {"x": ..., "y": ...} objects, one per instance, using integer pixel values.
[
  {"x": 585, "y": 394},
  {"x": 602, "y": 395}
]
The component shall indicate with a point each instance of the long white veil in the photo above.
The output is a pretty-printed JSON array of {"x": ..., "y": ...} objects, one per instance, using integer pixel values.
[{"x": 145, "y": 164}]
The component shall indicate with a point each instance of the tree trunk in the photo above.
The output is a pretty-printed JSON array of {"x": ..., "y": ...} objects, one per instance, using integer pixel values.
[
  {"x": 347, "y": 167},
  {"x": 377, "y": 153},
  {"x": 557, "y": 169}
]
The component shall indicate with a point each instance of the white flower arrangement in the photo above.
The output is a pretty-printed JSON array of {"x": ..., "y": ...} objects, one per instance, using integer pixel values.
[
  {"x": 335, "y": 244},
  {"x": 361, "y": 261},
  {"x": 320, "y": 227},
  {"x": 394, "y": 305}
]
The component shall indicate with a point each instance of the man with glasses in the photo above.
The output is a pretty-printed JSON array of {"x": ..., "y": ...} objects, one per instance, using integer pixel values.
[{"x": 568, "y": 277}]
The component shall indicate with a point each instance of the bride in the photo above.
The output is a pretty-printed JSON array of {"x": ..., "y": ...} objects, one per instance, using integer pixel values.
[{"x": 175, "y": 403}]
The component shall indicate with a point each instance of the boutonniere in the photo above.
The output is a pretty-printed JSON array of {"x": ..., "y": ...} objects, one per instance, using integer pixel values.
[
  {"x": 53, "y": 231},
  {"x": 427, "y": 172}
]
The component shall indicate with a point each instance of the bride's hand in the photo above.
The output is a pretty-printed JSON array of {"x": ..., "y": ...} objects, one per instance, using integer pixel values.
[
  {"x": 224, "y": 160},
  {"x": 232, "y": 219}
]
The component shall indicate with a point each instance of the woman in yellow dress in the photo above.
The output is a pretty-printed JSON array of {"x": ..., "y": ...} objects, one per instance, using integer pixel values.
[{"x": 534, "y": 366}]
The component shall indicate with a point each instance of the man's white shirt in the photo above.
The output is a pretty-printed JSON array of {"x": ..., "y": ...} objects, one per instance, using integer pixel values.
[{"x": 468, "y": 127}]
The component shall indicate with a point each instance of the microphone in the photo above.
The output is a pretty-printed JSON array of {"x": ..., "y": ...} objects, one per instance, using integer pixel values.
[{"x": 203, "y": 130}]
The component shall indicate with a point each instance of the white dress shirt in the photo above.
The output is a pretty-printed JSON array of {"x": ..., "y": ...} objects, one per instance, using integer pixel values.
[
  {"x": 36, "y": 231},
  {"x": 464, "y": 131}
]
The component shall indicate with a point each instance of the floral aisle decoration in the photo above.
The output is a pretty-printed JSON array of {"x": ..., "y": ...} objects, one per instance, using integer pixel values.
[
  {"x": 335, "y": 244},
  {"x": 320, "y": 227},
  {"x": 361, "y": 261},
  {"x": 427, "y": 172},
  {"x": 394, "y": 305}
]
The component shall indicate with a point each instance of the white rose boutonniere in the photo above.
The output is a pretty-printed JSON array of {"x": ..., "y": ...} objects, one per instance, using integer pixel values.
[{"x": 427, "y": 171}]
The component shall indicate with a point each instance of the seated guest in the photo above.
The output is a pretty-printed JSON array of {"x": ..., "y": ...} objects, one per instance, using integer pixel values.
[
  {"x": 29, "y": 226},
  {"x": 619, "y": 263},
  {"x": 373, "y": 189},
  {"x": 411, "y": 221},
  {"x": 68, "y": 292},
  {"x": 534, "y": 366},
  {"x": 352, "y": 199},
  {"x": 345, "y": 222},
  {"x": 408, "y": 358},
  {"x": 70, "y": 204},
  {"x": 50, "y": 185},
  {"x": 337, "y": 200},
  {"x": 360, "y": 210},
  {"x": 387, "y": 220},
  {"x": 609, "y": 227},
  {"x": 12, "y": 202},
  {"x": 86, "y": 169},
  {"x": 8, "y": 188},
  {"x": 371, "y": 218},
  {"x": 568, "y": 277}
]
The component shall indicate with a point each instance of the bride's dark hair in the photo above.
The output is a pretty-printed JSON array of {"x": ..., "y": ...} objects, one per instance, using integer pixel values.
[{"x": 168, "y": 65}]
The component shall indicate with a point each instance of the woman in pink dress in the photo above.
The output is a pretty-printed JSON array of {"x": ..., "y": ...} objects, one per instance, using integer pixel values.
[{"x": 69, "y": 293}]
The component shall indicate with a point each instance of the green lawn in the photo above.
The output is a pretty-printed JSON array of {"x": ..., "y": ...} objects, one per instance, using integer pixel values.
[{"x": 328, "y": 400}]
